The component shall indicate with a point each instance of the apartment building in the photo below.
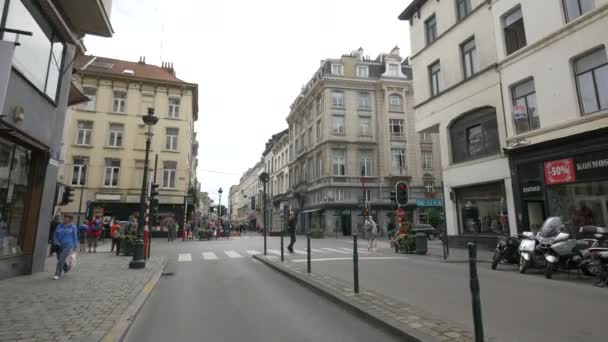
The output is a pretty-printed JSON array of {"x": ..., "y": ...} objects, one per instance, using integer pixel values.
[
  {"x": 279, "y": 178},
  {"x": 38, "y": 41},
  {"x": 245, "y": 198},
  {"x": 553, "y": 65},
  {"x": 352, "y": 137},
  {"x": 104, "y": 142}
]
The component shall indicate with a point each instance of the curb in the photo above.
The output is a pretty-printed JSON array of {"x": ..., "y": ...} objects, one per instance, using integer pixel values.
[
  {"x": 120, "y": 329},
  {"x": 392, "y": 328}
]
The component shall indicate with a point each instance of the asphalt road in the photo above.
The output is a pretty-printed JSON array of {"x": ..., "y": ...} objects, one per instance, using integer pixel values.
[{"x": 230, "y": 297}]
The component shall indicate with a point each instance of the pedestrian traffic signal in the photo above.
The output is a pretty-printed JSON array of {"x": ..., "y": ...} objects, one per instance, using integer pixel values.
[
  {"x": 154, "y": 190},
  {"x": 393, "y": 196},
  {"x": 68, "y": 195},
  {"x": 154, "y": 205},
  {"x": 402, "y": 190}
]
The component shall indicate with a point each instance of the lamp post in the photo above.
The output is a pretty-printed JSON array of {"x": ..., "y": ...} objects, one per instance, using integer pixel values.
[
  {"x": 219, "y": 204},
  {"x": 138, "y": 246},
  {"x": 264, "y": 177}
]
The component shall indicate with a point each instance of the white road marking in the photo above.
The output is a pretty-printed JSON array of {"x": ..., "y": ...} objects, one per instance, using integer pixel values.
[
  {"x": 182, "y": 257},
  {"x": 317, "y": 250},
  {"x": 233, "y": 254},
  {"x": 274, "y": 251},
  {"x": 300, "y": 252},
  {"x": 361, "y": 250},
  {"x": 341, "y": 259},
  {"x": 335, "y": 250},
  {"x": 245, "y": 237},
  {"x": 209, "y": 256},
  {"x": 252, "y": 252}
]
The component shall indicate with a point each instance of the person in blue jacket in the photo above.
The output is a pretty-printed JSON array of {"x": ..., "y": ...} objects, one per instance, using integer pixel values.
[{"x": 66, "y": 240}]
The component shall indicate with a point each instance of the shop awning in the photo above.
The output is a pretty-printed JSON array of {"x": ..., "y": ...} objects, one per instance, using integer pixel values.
[{"x": 311, "y": 211}]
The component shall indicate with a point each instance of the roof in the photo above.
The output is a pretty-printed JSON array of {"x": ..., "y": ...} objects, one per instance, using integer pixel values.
[
  {"x": 117, "y": 67},
  {"x": 412, "y": 8}
]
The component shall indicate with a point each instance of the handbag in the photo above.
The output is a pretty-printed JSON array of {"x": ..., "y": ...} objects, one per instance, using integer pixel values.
[{"x": 71, "y": 262}]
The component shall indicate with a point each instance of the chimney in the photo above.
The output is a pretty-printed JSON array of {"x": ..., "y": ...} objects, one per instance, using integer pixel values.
[
  {"x": 168, "y": 66},
  {"x": 142, "y": 60}
]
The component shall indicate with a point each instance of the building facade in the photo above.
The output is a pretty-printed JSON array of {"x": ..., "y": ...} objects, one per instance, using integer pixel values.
[
  {"x": 351, "y": 138},
  {"x": 458, "y": 96},
  {"x": 104, "y": 143},
  {"x": 246, "y": 197},
  {"x": 279, "y": 179},
  {"x": 35, "y": 89}
]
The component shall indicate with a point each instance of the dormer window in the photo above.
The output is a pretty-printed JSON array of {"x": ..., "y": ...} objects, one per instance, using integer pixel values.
[
  {"x": 337, "y": 69},
  {"x": 362, "y": 71},
  {"x": 393, "y": 69}
]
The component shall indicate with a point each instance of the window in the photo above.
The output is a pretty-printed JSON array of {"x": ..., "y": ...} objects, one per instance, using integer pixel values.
[
  {"x": 368, "y": 195},
  {"x": 338, "y": 163},
  {"x": 393, "y": 69},
  {"x": 591, "y": 71},
  {"x": 39, "y": 58},
  {"x": 396, "y": 128},
  {"x": 339, "y": 195},
  {"x": 310, "y": 136},
  {"x": 435, "y": 74},
  {"x": 398, "y": 160},
  {"x": 174, "y": 107},
  {"x": 429, "y": 186},
  {"x": 364, "y": 100},
  {"x": 469, "y": 58},
  {"x": 337, "y": 99},
  {"x": 319, "y": 130},
  {"x": 426, "y": 138},
  {"x": 338, "y": 124},
  {"x": 319, "y": 166},
  {"x": 79, "y": 173},
  {"x": 474, "y": 136},
  {"x": 431, "y": 29},
  {"x": 515, "y": 32},
  {"x": 85, "y": 129},
  {"x": 365, "y": 127},
  {"x": 362, "y": 71},
  {"x": 337, "y": 69},
  {"x": 463, "y": 7},
  {"x": 319, "y": 104},
  {"x": 427, "y": 160},
  {"x": 120, "y": 101},
  {"x": 365, "y": 164},
  {"x": 112, "y": 171},
  {"x": 525, "y": 111},
  {"x": 116, "y": 132},
  {"x": 171, "y": 139},
  {"x": 91, "y": 93},
  {"x": 394, "y": 102},
  {"x": 576, "y": 8},
  {"x": 169, "y": 170}
]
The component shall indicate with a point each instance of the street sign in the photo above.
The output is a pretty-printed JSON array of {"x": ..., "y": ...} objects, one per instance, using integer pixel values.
[{"x": 400, "y": 212}]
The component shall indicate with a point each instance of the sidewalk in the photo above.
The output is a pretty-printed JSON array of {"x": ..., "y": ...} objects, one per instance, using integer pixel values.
[{"x": 84, "y": 305}]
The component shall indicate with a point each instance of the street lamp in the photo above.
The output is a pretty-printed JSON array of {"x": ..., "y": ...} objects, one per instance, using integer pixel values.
[
  {"x": 138, "y": 246},
  {"x": 219, "y": 204},
  {"x": 264, "y": 177}
]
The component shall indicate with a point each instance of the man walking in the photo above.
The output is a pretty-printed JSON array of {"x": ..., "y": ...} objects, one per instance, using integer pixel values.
[
  {"x": 291, "y": 228},
  {"x": 171, "y": 227}
]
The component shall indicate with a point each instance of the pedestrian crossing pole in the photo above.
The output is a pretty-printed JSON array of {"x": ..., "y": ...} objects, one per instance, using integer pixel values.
[{"x": 264, "y": 177}]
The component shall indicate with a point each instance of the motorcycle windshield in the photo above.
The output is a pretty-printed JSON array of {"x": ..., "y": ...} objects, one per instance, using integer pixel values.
[{"x": 551, "y": 227}]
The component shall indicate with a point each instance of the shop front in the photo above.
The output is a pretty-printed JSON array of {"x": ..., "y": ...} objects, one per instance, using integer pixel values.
[
  {"x": 482, "y": 209},
  {"x": 566, "y": 178}
]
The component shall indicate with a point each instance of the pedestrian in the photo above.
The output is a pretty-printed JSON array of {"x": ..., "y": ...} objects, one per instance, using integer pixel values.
[
  {"x": 66, "y": 241},
  {"x": 95, "y": 227},
  {"x": 371, "y": 230},
  {"x": 390, "y": 229},
  {"x": 171, "y": 227},
  {"x": 107, "y": 224},
  {"x": 115, "y": 235},
  {"x": 291, "y": 228},
  {"x": 83, "y": 231}
]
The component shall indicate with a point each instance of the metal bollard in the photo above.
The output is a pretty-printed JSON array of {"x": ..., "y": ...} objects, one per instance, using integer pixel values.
[
  {"x": 474, "y": 283},
  {"x": 308, "y": 252},
  {"x": 355, "y": 263},
  {"x": 282, "y": 251}
]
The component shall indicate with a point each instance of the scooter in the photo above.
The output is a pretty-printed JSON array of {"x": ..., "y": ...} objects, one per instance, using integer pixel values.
[
  {"x": 506, "y": 251},
  {"x": 533, "y": 248}
]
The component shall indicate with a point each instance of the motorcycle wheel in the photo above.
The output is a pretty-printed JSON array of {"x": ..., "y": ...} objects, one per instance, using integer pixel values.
[
  {"x": 549, "y": 270},
  {"x": 431, "y": 236},
  {"x": 495, "y": 260},
  {"x": 591, "y": 270},
  {"x": 523, "y": 265}
]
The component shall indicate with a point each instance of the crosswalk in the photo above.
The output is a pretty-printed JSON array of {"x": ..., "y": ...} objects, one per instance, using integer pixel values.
[{"x": 233, "y": 254}]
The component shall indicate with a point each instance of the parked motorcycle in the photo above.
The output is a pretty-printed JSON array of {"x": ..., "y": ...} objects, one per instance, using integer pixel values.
[
  {"x": 595, "y": 237},
  {"x": 565, "y": 254},
  {"x": 533, "y": 248},
  {"x": 507, "y": 251},
  {"x": 600, "y": 255}
]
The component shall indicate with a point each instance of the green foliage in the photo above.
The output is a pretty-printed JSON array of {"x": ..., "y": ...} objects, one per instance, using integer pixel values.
[{"x": 435, "y": 217}]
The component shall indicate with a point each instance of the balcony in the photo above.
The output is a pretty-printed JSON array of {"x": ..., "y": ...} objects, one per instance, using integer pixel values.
[{"x": 89, "y": 16}]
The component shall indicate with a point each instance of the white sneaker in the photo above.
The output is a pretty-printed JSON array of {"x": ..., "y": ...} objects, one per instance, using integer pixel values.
[{"x": 55, "y": 277}]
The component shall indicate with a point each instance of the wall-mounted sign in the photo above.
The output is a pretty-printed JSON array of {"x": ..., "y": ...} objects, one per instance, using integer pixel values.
[
  {"x": 531, "y": 188},
  {"x": 520, "y": 112},
  {"x": 592, "y": 166},
  {"x": 429, "y": 202},
  {"x": 107, "y": 197},
  {"x": 560, "y": 171}
]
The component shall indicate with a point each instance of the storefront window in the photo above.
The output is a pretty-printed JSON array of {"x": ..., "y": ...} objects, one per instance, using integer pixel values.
[
  {"x": 14, "y": 172},
  {"x": 579, "y": 204},
  {"x": 482, "y": 209}
]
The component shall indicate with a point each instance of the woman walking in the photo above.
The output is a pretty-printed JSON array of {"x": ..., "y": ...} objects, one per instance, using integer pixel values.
[
  {"x": 371, "y": 229},
  {"x": 66, "y": 240}
]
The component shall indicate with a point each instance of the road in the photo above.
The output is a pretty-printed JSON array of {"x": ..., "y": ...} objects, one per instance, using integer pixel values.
[
  {"x": 233, "y": 298},
  {"x": 224, "y": 295}
]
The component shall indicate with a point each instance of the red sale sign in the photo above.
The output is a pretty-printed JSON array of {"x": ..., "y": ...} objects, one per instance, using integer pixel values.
[{"x": 559, "y": 171}]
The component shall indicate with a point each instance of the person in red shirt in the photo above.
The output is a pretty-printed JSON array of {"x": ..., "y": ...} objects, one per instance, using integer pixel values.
[
  {"x": 115, "y": 235},
  {"x": 95, "y": 227}
]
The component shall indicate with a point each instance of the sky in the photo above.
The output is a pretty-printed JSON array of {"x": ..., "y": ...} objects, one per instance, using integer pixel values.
[{"x": 249, "y": 59}]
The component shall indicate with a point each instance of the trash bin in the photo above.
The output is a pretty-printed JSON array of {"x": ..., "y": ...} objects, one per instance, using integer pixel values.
[{"x": 421, "y": 247}]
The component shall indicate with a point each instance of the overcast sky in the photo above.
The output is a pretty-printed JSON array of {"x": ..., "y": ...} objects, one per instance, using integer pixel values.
[{"x": 249, "y": 58}]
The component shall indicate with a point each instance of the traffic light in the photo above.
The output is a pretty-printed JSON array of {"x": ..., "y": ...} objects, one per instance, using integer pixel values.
[
  {"x": 154, "y": 190},
  {"x": 154, "y": 205},
  {"x": 393, "y": 196},
  {"x": 402, "y": 190},
  {"x": 68, "y": 195}
]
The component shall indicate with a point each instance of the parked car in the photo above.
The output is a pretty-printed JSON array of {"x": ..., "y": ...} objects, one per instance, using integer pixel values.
[{"x": 430, "y": 232}]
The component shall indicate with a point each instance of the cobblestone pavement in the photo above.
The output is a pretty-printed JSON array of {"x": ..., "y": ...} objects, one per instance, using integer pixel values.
[
  {"x": 408, "y": 319},
  {"x": 81, "y": 306}
]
